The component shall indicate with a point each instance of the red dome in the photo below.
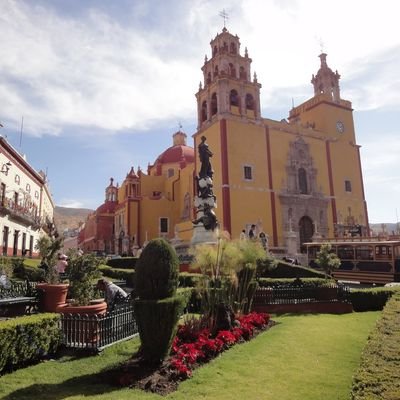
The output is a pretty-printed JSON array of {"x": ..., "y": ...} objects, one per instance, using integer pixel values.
[
  {"x": 107, "y": 207},
  {"x": 176, "y": 154}
]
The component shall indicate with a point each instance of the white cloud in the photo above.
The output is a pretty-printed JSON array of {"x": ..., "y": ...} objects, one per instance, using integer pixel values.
[
  {"x": 71, "y": 203},
  {"x": 96, "y": 72}
]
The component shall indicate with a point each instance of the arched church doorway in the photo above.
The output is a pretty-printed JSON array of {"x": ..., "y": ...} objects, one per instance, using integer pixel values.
[{"x": 306, "y": 230}]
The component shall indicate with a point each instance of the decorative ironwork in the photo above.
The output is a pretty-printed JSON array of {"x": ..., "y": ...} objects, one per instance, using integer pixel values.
[{"x": 95, "y": 332}]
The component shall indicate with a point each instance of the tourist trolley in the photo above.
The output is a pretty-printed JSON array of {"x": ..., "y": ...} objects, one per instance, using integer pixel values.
[{"x": 365, "y": 260}]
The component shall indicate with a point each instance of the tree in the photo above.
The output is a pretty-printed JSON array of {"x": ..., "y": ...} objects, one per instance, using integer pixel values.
[{"x": 326, "y": 259}]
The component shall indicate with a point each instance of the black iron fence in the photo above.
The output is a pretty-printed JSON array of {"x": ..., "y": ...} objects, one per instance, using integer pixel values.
[
  {"x": 296, "y": 295},
  {"x": 12, "y": 289},
  {"x": 96, "y": 332}
]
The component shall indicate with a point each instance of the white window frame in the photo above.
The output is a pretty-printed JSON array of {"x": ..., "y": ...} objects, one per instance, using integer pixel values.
[{"x": 244, "y": 166}]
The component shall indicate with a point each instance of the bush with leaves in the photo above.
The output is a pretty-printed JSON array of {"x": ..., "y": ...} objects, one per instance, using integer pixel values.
[
  {"x": 82, "y": 272},
  {"x": 327, "y": 259},
  {"x": 159, "y": 307},
  {"x": 48, "y": 248}
]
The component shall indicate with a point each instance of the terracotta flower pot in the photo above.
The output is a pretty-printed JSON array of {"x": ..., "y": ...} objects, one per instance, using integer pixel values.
[
  {"x": 96, "y": 308},
  {"x": 53, "y": 296}
]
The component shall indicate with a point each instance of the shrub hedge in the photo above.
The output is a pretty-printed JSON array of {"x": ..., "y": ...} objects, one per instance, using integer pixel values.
[
  {"x": 373, "y": 299},
  {"x": 304, "y": 282},
  {"x": 123, "y": 262},
  {"x": 27, "y": 339},
  {"x": 188, "y": 279},
  {"x": 378, "y": 375},
  {"x": 32, "y": 274},
  {"x": 127, "y": 275},
  {"x": 285, "y": 270}
]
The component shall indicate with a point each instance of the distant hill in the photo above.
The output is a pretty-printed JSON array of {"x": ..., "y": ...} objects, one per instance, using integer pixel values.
[
  {"x": 69, "y": 218},
  {"x": 390, "y": 228}
]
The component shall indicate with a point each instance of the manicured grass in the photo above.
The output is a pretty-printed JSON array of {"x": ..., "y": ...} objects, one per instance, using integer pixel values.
[{"x": 304, "y": 357}]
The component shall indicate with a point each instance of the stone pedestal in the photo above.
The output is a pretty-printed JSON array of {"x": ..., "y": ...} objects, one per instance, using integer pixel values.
[
  {"x": 291, "y": 243},
  {"x": 203, "y": 236}
]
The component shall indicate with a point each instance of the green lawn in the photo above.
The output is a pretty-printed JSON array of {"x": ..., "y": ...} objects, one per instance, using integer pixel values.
[{"x": 304, "y": 357}]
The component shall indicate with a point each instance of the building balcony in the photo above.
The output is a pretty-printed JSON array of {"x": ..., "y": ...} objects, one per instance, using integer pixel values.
[{"x": 21, "y": 214}]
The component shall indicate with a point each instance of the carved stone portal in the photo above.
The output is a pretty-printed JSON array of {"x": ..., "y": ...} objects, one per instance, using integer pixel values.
[{"x": 304, "y": 207}]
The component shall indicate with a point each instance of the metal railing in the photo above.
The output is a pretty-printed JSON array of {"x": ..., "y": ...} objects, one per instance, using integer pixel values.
[
  {"x": 18, "y": 289},
  {"x": 296, "y": 295},
  {"x": 95, "y": 332}
]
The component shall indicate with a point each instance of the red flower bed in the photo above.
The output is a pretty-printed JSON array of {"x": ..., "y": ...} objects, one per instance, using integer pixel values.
[{"x": 192, "y": 347}]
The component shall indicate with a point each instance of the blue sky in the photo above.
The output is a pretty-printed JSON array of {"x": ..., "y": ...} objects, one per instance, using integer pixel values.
[{"x": 102, "y": 85}]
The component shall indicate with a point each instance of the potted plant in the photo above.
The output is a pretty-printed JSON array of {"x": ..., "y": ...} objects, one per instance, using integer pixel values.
[
  {"x": 53, "y": 293},
  {"x": 82, "y": 273}
]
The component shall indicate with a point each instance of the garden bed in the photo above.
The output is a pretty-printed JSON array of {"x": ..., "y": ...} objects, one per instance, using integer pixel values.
[{"x": 190, "y": 350}]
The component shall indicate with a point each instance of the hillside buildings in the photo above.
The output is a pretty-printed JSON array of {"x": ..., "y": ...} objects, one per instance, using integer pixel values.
[
  {"x": 296, "y": 179},
  {"x": 26, "y": 205}
]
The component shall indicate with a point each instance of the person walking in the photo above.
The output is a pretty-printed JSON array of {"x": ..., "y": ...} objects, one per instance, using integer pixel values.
[{"x": 252, "y": 232}]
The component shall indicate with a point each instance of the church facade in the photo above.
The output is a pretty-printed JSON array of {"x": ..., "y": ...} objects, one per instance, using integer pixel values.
[{"x": 296, "y": 180}]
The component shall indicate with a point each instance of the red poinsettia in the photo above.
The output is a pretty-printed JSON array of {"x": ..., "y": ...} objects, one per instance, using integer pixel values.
[{"x": 191, "y": 346}]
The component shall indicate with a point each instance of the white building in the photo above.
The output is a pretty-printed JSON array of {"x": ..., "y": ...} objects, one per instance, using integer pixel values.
[{"x": 26, "y": 205}]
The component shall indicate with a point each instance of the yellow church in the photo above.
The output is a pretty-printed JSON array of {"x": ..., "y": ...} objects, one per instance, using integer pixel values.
[{"x": 296, "y": 180}]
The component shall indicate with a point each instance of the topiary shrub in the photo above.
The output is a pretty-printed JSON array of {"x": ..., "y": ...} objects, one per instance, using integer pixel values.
[
  {"x": 157, "y": 271},
  {"x": 158, "y": 308}
]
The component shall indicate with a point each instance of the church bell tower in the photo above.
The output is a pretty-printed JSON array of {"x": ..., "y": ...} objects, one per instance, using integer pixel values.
[{"x": 227, "y": 87}]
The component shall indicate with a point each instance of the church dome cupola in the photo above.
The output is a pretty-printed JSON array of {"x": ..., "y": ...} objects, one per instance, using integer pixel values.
[
  {"x": 227, "y": 87},
  {"x": 111, "y": 191},
  {"x": 326, "y": 81}
]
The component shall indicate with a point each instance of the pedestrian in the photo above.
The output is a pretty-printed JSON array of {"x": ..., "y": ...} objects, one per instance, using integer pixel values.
[
  {"x": 112, "y": 292},
  {"x": 61, "y": 263},
  {"x": 252, "y": 232},
  {"x": 263, "y": 239},
  {"x": 243, "y": 235}
]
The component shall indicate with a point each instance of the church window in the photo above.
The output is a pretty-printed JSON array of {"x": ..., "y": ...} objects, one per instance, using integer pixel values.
[
  {"x": 170, "y": 172},
  {"x": 232, "y": 70},
  {"x": 248, "y": 172},
  {"x": 17, "y": 179},
  {"x": 204, "y": 111},
  {"x": 215, "y": 50},
  {"x": 225, "y": 47},
  {"x": 234, "y": 98},
  {"x": 249, "y": 102},
  {"x": 233, "y": 48},
  {"x": 216, "y": 72},
  {"x": 28, "y": 187},
  {"x": 209, "y": 78},
  {"x": 303, "y": 181},
  {"x": 347, "y": 186},
  {"x": 242, "y": 73},
  {"x": 214, "y": 104},
  {"x": 163, "y": 225}
]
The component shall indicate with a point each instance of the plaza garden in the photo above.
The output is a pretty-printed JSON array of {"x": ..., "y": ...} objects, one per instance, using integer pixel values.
[{"x": 211, "y": 338}]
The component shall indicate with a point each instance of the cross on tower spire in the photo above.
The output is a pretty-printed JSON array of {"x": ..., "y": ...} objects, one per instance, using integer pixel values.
[{"x": 224, "y": 15}]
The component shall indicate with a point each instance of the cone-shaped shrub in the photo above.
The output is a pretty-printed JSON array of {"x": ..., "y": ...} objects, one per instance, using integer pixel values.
[
  {"x": 157, "y": 271},
  {"x": 158, "y": 308}
]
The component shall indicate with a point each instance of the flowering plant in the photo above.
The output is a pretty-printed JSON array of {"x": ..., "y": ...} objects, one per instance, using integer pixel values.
[{"x": 195, "y": 346}]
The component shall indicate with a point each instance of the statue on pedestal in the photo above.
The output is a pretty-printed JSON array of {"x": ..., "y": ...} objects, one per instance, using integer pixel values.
[{"x": 205, "y": 200}]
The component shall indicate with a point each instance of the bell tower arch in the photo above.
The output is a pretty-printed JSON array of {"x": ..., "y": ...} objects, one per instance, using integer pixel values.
[{"x": 227, "y": 86}]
